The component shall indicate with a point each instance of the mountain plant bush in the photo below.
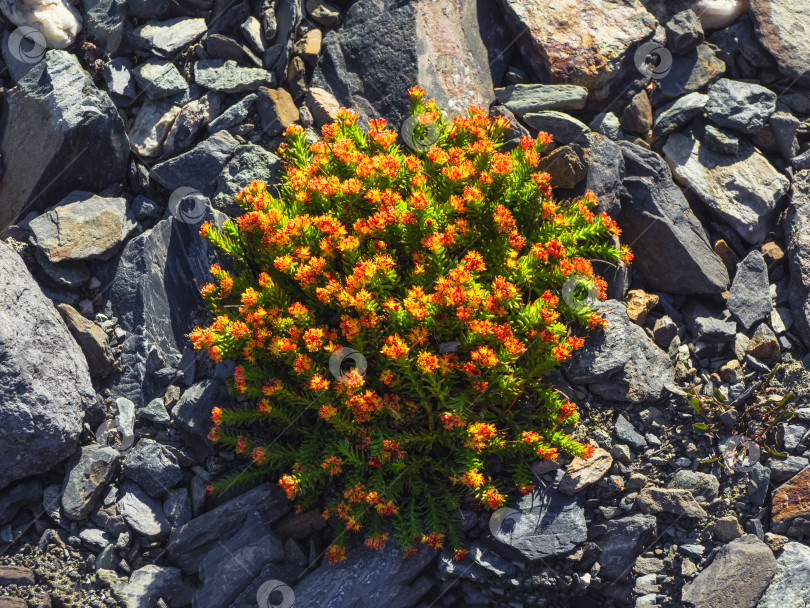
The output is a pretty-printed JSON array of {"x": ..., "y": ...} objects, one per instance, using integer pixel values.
[{"x": 437, "y": 273}]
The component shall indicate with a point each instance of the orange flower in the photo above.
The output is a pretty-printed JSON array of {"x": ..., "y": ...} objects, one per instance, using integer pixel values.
[
  {"x": 336, "y": 554},
  {"x": 289, "y": 484}
]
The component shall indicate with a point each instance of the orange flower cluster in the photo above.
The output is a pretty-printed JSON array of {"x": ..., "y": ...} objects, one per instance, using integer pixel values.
[{"x": 395, "y": 253}]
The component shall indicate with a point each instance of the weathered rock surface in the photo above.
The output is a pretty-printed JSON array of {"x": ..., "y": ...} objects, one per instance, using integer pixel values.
[
  {"x": 797, "y": 237},
  {"x": 749, "y": 298},
  {"x": 782, "y": 27},
  {"x": 45, "y": 386},
  {"x": 60, "y": 134},
  {"x": 737, "y": 576},
  {"x": 91, "y": 339},
  {"x": 620, "y": 541},
  {"x": 671, "y": 250},
  {"x": 668, "y": 500},
  {"x": 583, "y": 472},
  {"x": 791, "y": 584},
  {"x": 790, "y": 506},
  {"x": 249, "y": 162},
  {"x": 742, "y": 190},
  {"x": 89, "y": 472},
  {"x": 621, "y": 363}
]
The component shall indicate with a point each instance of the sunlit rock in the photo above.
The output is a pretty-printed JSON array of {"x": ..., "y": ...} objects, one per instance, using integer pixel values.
[{"x": 58, "y": 21}]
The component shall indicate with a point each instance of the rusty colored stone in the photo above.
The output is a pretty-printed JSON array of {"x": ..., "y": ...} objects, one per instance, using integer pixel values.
[
  {"x": 790, "y": 506},
  {"x": 582, "y": 43},
  {"x": 639, "y": 303}
]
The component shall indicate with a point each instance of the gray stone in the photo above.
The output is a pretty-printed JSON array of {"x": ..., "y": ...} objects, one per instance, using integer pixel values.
[
  {"x": 802, "y": 161},
  {"x": 637, "y": 116},
  {"x": 621, "y": 363},
  {"x": 150, "y": 583},
  {"x": 784, "y": 469},
  {"x": 190, "y": 543},
  {"x": 152, "y": 124},
  {"x": 739, "y": 574},
  {"x": 83, "y": 226},
  {"x": 691, "y": 72},
  {"x": 525, "y": 98},
  {"x": 199, "y": 167},
  {"x": 89, "y": 472},
  {"x": 152, "y": 467},
  {"x": 721, "y": 141},
  {"x": 192, "y": 413},
  {"x": 625, "y": 432},
  {"x": 105, "y": 21},
  {"x": 490, "y": 560},
  {"x": 710, "y": 329},
  {"x": 671, "y": 250},
  {"x": 191, "y": 119},
  {"x": 782, "y": 27},
  {"x": 678, "y": 113},
  {"x": 177, "y": 507},
  {"x": 743, "y": 191},
  {"x": 234, "y": 115},
  {"x": 582, "y": 472},
  {"x": 107, "y": 559},
  {"x": 791, "y": 584},
  {"x": 701, "y": 485},
  {"x": 227, "y": 76},
  {"x": 235, "y": 561},
  {"x": 684, "y": 32},
  {"x": 621, "y": 540},
  {"x": 760, "y": 477},
  {"x": 784, "y": 127},
  {"x": 749, "y": 298},
  {"x": 159, "y": 78},
  {"x": 740, "y": 106},
  {"x": 166, "y": 38},
  {"x": 59, "y": 134},
  {"x": 46, "y": 389},
  {"x": 154, "y": 411},
  {"x": 367, "y": 578},
  {"x": 120, "y": 81},
  {"x": 549, "y": 524},
  {"x": 794, "y": 433},
  {"x": 607, "y": 123},
  {"x": 141, "y": 512},
  {"x": 95, "y": 538},
  {"x": 91, "y": 339},
  {"x": 563, "y": 128},
  {"x": 669, "y": 500},
  {"x": 248, "y": 163},
  {"x": 797, "y": 238}
]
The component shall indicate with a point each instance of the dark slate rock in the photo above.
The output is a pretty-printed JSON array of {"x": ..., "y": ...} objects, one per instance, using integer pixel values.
[
  {"x": 249, "y": 162},
  {"x": 627, "y": 433},
  {"x": 784, "y": 469},
  {"x": 621, "y": 540},
  {"x": 684, "y": 32},
  {"x": 288, "y": 18},
  {"x": 17, "y": 496},
  {"x": 621, "y": 363},
  {"x": 152, "y": 467},
  {"x": 466, "y": 568},
  {"x": 740, "y": 106},
  {"x": 720, "y": 140},
  {"x": 525, "y": 98},
  {"x": 797, "y": 238},
  {"x": 760, "y": 477},
  {"x": 199, "y": 167},
  {"x": 89, "y": 472},
  {"x": 153, "y": 289},
  {"x": 105, "y": 21},
  {"x": 287, "y": 574},
  {"x": 234, "y": 562},
  {"x": 678, "y": 113},
  {"x": 607, "y": 123},
  {"x": 563, "y": 128},
  {"x": 159, "y": 78},
  {"x": 740, "y": 39},
  {"x": 192, "y": 413},
  {"x": 749, "y": 298},
  {"x": 791, "y": 584},
  {"x": 691, "y": 72},
  {"x": 45, "y": 387},
  {"x": 784, "y": 127},
  {"x": 368, "y": 578},
  {"x": 234, "y": 115},
  {"x": 701, "y": 485},
  {"x": 189, "y": 544},
  {"x": 672, "y": 253},
  {"x": 79, "y": 142},
  {"x": 167, "y": 38},
  {"x": 227, "y": 76},
  {"x": 177, "y": 507},
  {"x": 120, "y": 81},
  {"x": 710, "y": 329},
  {"x": 605, "y": 173},
  {"x": 547, "y": 523}
]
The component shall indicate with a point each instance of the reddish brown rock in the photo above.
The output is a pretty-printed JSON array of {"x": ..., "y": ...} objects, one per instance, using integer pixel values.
[
  {"x": 582, "y": 43},
  {"x": 16, "y": 575},
  {"x": 300, "y": 525},
  {"x": 790, "y": 507},
  {"x": 639, "y": 303}
]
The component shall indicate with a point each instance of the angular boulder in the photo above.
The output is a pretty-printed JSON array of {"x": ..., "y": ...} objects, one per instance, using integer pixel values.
[
  {"x": 59, "y": 134},
  {"x": 45, "y": 388},
  {"x": 782, "y": 27},
  {"x": 797, "y": 237}
]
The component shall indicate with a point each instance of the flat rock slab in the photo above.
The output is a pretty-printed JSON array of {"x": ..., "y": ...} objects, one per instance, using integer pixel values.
[
  {"x": 150, "y": 583},
  {"x": 666, "y": 500},
  {"x": 740, "y": 106},
  {"x": 46, "y": 388},
  {"x": 737, "y": 577},
  {"x": 164, "y": 38},
  {"x": 620, "y": 362},
  {"x": 579, "y": 43},
  {"x": 621, "y": 540},
  {"x": 141, "y": 512},
  {"x": 226, "y": 76},
  {"x": 749, "y": 298},
  {"x": 83, "y": 226},
  {"x": 742, "y": 190},
  {"x": 524, "y": 98},
  {"x": 199, "y": 167},
  {"x": 583, "y": 472},
  {"x": 368, "y": 578},
  {"x": 89, "y": 472},
  {"x": 783, "y": 27},
  {"x": 549, "y": 523},
  {"x": 790, "y": 506},
  {"x": 797, "y": 237},
  {"x": 671, "y": 250}
]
